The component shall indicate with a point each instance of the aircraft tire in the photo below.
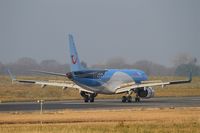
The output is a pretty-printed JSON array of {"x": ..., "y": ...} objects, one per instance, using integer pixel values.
[
  {"x": 92, "y": 99},
  {"x": 129, "y": 99},
  {"x": 86, "y": 99},
  {"x": 137, "y": 99},
  {"x": 124, "y": 99}
]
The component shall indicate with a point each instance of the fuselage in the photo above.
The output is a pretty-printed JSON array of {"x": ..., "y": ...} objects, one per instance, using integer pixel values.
[{"x": 106, "y": 81}]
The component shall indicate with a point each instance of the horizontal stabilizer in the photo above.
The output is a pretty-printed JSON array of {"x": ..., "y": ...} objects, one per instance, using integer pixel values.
[{"x": 49, "y": 73}]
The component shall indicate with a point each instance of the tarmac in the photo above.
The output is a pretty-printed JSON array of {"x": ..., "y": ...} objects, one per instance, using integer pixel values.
[{"x": 108, "y": 104}]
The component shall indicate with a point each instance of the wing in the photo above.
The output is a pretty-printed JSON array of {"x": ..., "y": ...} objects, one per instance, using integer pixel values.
[
  {"x": 57, "y": 83},
  {"x": 132, "y": 86}
]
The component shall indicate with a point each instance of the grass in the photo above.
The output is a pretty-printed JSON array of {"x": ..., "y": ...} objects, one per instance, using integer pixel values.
[
  {"x": 179, "y": 120},
  {"x": 17, "y": 92},
  {"x": 140, "y": 120},
  {"x": 103, "y": 128}
]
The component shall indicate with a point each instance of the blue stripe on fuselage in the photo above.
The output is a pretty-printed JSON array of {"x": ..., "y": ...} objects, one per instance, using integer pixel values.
[{"x": 136, "y": 75}]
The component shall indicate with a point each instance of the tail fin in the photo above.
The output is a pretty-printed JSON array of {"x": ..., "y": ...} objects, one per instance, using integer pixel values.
[{"x": 75, "y": 64}]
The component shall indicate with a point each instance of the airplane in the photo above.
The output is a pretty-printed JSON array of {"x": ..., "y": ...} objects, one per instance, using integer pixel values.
[{"x": 91, "y": 82}]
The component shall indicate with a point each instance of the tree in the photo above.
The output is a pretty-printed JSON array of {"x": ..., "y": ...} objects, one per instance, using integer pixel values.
[
  {"x": 117, "y": 63},
  {"x": 143, "y": 65},
  {"x": 84, "y": 64},
  {"x": 184, "y": 69},
  {"x": 152, "y": 68},
  {"x": 23, "y": 66},
  {"x": 184, "y": 59},
  {"x": 54, "y": 66},
  {"x": 185, "y": 63}
]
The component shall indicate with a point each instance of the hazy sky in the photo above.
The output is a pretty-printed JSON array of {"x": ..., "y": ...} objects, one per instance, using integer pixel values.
[{"x": 156, "y": 30}]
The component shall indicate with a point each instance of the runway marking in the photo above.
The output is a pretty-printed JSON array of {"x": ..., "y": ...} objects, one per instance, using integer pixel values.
[{"x": 195, "y": 99}]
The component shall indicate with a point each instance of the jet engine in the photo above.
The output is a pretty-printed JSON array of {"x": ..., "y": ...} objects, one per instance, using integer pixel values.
[{"x": 146, "y": 92}]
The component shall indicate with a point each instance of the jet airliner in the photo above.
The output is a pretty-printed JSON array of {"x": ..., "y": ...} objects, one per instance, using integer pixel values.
[{"x": 91, "y": 82}]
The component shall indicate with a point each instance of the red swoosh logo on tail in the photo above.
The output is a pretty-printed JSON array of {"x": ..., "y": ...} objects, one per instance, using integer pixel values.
[{"x": 74, "y": 59}]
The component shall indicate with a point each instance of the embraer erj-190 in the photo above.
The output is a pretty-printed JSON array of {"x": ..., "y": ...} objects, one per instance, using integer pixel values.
[{"x": 91, "y": 82}]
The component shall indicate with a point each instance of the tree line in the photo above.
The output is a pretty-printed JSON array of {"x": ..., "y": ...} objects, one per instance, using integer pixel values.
[{"x": 182, "y": 66}]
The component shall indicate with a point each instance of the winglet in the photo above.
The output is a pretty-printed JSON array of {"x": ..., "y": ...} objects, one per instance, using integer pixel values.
[
  {"x": 189, "y": 80},
  {"x": 11, "y": 76}
]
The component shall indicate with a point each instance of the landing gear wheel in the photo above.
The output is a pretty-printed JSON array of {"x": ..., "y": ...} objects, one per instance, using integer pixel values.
[
  {"x": 137, "y": 99},
  {"x": 129, "y": 99},
  {"x": 91, "y": 99},
  {"x": 86, "y": 99},
  {"x": 124, "y": 99}
]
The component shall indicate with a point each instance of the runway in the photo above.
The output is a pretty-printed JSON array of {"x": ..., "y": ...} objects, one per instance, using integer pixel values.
[{"x": 164, "y": 102}]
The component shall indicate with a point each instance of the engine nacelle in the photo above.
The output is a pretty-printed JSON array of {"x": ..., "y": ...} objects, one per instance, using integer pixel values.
[{"x": 146, "y": 92}]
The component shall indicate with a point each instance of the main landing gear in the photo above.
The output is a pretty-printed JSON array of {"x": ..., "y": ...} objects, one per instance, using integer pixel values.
[
  {"x": 137, "y": 99},
  {"x": 88, "y": 97},
  {"x": 129, "y": 99}
]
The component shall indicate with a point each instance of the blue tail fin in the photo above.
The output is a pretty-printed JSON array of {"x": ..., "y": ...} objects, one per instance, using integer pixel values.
[{"x": 75, "y": 64}]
